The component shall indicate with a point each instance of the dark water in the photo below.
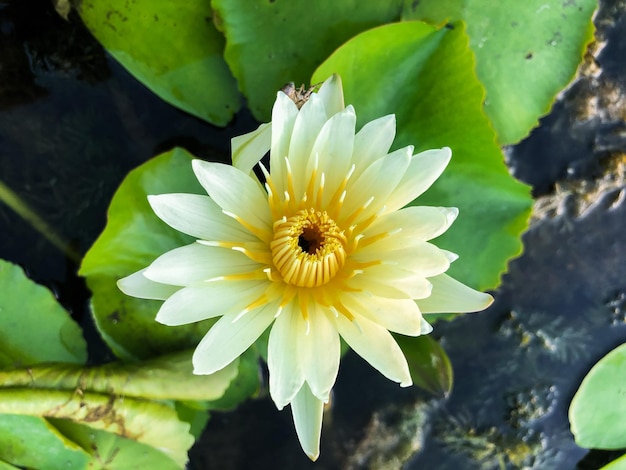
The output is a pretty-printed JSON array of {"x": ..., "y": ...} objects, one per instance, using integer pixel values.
[{"x": 73, "y": 123}]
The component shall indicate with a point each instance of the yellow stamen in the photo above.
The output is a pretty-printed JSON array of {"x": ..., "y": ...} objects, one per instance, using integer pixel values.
[{"x": 308, "y": 248}]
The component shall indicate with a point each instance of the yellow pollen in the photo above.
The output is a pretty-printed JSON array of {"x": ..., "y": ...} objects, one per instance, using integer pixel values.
[{"x": 308, "y": 248}]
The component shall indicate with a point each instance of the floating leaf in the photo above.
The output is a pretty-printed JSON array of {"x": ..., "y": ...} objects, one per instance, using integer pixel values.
[
  {"x": 33, "y": 326},
  {"x": 424, "y": 75},
  {"x": 428, "y": 362},
  {"x": 154, "y": 424},
  {"x": 597, "y": 413},
  {"x": 271, "y": 43},
  {"x": 32, "y": 442},
  {"x": 133, "y": 238},
  {"x": 526, "y": 52},
  {"x": 171, "y": 47},
  {"x": 112, "y": 452}
]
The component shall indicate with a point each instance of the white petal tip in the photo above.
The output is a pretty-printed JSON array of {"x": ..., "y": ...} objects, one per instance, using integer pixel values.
[
  {"x": 406, "y": 383},
  {"x": 425, "y": 327},
  {"x": 451, "y": 213}
]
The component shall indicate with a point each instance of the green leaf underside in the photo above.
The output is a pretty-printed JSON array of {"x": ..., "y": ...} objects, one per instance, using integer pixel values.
[
  {"x": 424, "y": 75},
  {"x": 165, "y": 378},
  {"x": 151, "y": 423},
  {"x": 32, "y": 442},
  {"x": 526, "y": 52},
  {"x": 133, "y": 238},
  {"x": 428, "y": 362},
  {"x": 36, "y": 330},
  {"x": 597, "y": 413},
  {"x": 271, "y": 43},
  {"x": 171, "y": 47}
]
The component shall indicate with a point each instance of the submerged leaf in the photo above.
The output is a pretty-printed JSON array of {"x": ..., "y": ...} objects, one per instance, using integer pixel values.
[{"x": 33, "y": 326}]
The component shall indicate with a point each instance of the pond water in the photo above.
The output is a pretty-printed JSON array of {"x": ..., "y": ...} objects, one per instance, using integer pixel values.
[{"x": 73, "y": 123}]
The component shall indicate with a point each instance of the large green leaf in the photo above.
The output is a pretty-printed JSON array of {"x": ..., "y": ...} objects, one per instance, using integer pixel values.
[
  {"x": 165, "y": 378},
  {"x": 526, "y": 52},
  {"x": 33, "y": 326},
  {"x": 270, "y": 43},
  {"x": 597, "y": 413},
  {"x": 171, "y": 47},
  {"x": 425, "y": 76},
  {"x": 151, "y": 423},
  {"x": 32, "y": 442},
  {"x": 133, "y": 238}
]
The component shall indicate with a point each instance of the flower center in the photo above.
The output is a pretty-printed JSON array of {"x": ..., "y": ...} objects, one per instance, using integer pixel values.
[{"x": 308, "y": 248}]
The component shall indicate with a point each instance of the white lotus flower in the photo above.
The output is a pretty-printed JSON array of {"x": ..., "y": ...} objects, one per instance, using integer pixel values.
[{"x": 327, "y": 249}]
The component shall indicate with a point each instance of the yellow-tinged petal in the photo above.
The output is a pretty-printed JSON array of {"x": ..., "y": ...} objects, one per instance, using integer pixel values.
[
  {"x": 286, "y": 376},
  {"x": 138, "y": 285},
  {"x": 230, "y": 337},
  {"x": 331, "y": 93},
  {"x": 451, "y": 296},
  {"x": 236, "y": 193},
  {"x": 198, "y": 216},
  {"x": 375, "y": 344},
  {"x": 423, "y": 170},
  {"x": 398, "y": 315},
  {"x": 197, "y": 262},
  {"x": 373, "y": 141},
  {"x": 190, "y": 305},
  {"x": 319, "y": 351},
  {"x": 249, "y": 148},
  {"x": 307, "y": 413}
]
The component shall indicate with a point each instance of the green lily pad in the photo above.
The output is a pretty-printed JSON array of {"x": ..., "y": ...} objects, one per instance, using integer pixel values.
[
  {"x": 526, "y": 52},
  {"x": 32, "y": 442},
  {"x": 133, "y": 238},
  {"x": 425, "y": 76},
  {"x": 151, "y": 423},
  {"x": 171, "y": 47},
  {"x": 597, "y": 413},
  {"x": 112, "y": 452},
  {"x": 39, "y": 330},
  {"x": 271, "y": 43},
  {"x": 429, "y": 364}
]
